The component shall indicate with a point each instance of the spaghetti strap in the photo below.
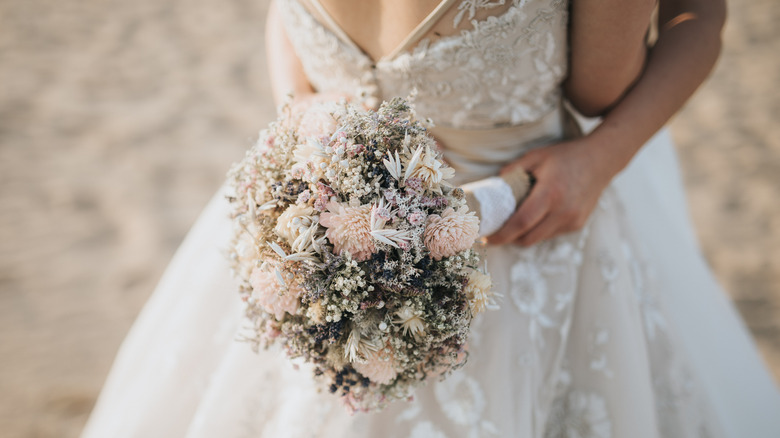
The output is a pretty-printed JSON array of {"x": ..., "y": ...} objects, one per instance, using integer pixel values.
[{"x": 421, "y": 29}]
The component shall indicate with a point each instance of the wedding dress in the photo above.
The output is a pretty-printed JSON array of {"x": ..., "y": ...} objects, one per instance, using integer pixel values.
[{"x": 618, "y": 330}]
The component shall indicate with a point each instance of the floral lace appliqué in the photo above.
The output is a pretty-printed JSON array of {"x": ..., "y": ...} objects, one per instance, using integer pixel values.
[
  {"x": 578, "y": 414},
  {"x": 463, "y": 402},
  {"x": 510, "y": 65}
]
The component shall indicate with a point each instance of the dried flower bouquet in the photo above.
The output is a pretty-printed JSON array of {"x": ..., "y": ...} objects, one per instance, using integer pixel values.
[{"x": 353, "y": 251}]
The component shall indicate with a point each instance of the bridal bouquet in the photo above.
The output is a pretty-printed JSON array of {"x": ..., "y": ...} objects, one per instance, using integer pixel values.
[{"x": 353, "y": 251}]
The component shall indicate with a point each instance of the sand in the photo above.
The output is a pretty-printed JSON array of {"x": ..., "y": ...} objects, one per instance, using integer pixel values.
[{"x": 118, "y": 121}]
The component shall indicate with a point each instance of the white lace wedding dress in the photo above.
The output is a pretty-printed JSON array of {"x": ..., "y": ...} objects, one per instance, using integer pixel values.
[{"x": 615, "y": 331}]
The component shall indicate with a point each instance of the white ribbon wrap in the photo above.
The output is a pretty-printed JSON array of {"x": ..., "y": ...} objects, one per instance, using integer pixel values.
[{"x": 496, "y": 203}]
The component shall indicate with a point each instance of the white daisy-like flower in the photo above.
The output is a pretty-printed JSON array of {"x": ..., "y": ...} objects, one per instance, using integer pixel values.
[
  {"x": 431, "y": 171},
  {"x": 479, "y": 291},
  {"x": 293, "y": 219},
  {"x": 359, "y": 347},
  {"x": 410, "y": 321},
  {"x": 299, "y": 226},
  {"x": 311, "y": 151}
]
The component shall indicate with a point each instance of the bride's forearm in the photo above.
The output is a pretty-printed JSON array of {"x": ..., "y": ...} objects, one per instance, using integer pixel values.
[
  {"x": 284, "y": 67},
  {"x": 607, "y": 46},
  {"x": 687, "y": 48}
]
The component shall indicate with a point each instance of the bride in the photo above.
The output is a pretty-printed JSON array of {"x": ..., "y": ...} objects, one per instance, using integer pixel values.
[{"x": 610, "y": 324}]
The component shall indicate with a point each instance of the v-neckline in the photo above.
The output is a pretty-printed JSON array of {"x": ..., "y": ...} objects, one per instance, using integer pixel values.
[{"x": 414, "y": 36}]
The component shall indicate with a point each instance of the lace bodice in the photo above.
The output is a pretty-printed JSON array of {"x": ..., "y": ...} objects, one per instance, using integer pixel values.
[{"x": 505, "y": 69}]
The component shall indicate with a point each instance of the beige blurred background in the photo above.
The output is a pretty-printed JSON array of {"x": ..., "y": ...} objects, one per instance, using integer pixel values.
[{"x": 118, "y": 121}]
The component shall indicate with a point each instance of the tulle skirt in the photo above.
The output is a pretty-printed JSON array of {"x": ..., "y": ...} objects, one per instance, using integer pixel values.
[{"x": 619, "y": 330}]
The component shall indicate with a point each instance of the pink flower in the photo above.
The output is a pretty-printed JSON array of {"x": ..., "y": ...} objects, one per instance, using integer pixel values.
[
  {"x": 416, "y": 218},
  {"x": 304, "y": 196},
  {"x": 271, "y": 330},
  {"x": 318, "y": 122},
  {"x": 272, "y": 296},
  {"x": 450, "y": 233},
  {"x": 379, "y": 368},
  {"x": 349, "y": 230}
]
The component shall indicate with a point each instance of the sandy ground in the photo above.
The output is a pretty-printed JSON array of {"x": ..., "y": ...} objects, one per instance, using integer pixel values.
[{"x": 119, "y": 119}]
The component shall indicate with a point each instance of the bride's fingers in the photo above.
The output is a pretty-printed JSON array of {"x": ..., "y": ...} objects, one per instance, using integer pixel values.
[
  {"x": 547, "y": 228},
  {"x": 530, "y": 161},
  {"x": 531, "y": 212}
]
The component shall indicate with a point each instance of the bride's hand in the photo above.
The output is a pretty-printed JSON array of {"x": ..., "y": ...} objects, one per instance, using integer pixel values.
[{"x": 570, "y": 177}]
